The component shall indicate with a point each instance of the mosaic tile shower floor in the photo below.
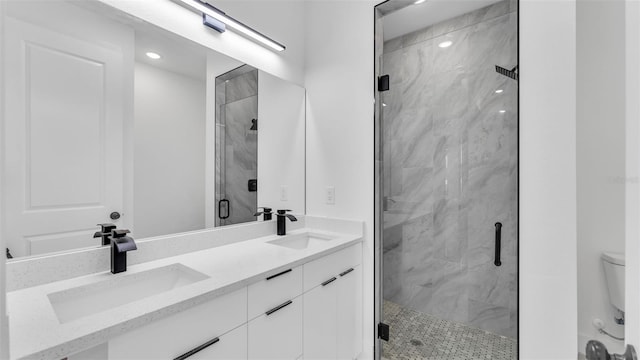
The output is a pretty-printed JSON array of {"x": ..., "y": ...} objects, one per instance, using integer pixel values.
[{"x": 415, "y": 335}]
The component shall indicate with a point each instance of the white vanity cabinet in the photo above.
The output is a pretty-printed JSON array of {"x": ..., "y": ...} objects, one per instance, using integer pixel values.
[
  {"x": 333, "y": 306},
  {"x": 275, "y": 316},
  {"x": 173, "y": 336},
  {"x": 313, "y": 311}
]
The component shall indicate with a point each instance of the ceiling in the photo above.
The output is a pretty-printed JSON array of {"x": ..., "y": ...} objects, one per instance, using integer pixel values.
[
  {"x": 179, "y": 55},
  {"x": 414, "y": 17}
]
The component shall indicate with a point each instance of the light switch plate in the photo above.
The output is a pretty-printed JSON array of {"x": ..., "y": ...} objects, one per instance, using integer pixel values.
[
  {"x": 284, "y": 193},
  {"x": 331, "y": 195}
]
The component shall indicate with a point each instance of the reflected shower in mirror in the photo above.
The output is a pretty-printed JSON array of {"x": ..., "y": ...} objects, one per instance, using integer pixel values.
[{"x": 110, "y": 119}]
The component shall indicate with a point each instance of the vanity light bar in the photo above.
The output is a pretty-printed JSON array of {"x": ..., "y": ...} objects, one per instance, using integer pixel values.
[{"x": 216, "y": 14}]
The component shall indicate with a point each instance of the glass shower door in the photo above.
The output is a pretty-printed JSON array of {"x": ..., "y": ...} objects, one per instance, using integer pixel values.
[
  {"x": 236, "y": 146},
  {"x": 448, "y": 182}
]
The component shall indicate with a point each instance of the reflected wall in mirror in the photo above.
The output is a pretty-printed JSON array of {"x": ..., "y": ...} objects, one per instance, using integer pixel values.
[{"x": 109, "y": 119}]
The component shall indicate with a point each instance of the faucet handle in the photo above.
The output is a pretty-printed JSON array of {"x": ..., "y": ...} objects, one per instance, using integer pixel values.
[
  {"x": 120, "y": 233},
  {"x": 289, "y": 216},
  {"x": 106, "y": 228},
  {"x": 104, "y": 233},
  {"x": 267, "y": 211}
]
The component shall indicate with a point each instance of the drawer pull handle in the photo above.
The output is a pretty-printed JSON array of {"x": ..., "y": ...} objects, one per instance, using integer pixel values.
[
  {"x": 329, "y": 281},
  {"x": 346, "y": 272},
  {"x": 278, "y": 274},
  {"x": 198, "y": 349},
  {"x": 278, "y": 307}
]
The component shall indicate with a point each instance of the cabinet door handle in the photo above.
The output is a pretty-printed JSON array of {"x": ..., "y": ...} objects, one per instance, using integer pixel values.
[
  {"x": 198, "y": 349},
  {"x": 329, "y": 281},
  {"x": 278, "y": 307},
  {"x": 278, "y": 274},
  {"x": 346, "y": 272}
]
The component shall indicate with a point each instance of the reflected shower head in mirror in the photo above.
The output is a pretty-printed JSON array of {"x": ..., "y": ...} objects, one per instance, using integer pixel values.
[{"x": 254, "y": 124}]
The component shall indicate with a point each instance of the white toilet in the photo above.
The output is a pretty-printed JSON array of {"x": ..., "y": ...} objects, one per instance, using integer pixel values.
[{"x": 614, "y": 277}]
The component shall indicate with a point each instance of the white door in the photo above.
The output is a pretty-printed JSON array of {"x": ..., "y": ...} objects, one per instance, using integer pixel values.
[{"x": 64, "y": 138}]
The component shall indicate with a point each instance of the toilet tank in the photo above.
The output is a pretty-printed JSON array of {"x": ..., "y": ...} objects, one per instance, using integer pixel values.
[{"x": 614, "y": 276}]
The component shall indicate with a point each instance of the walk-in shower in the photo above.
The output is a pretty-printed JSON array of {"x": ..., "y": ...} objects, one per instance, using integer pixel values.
[
  {"x": 446, "y": 179},
  {"x": 236, "y": 146}
]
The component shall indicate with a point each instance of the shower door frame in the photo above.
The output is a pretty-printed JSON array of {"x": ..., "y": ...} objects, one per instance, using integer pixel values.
[{"x": 378, "y": 221}]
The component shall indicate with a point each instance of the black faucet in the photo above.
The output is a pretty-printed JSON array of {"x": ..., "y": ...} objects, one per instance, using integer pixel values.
[
  {"x": 120, "y": 244},
  {"x": 105, "y": 233},
  {"x": 266, "y": 211},
  {"x": 282, "y": 221}
]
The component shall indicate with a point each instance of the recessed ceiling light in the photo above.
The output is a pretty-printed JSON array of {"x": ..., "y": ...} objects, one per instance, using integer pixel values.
[
  {"x": 499, "y": 91},
  {"x": 445, "y": 44},
  {"x": 419, "y": 2},
  {"x": 154, "y": 56},
  {"x": 503, "y": 111}
]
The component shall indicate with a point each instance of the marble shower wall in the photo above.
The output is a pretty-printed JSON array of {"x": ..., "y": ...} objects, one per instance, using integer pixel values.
[
  {"x": 450, "y": 169},
  {"x": 236, "y": 144}
]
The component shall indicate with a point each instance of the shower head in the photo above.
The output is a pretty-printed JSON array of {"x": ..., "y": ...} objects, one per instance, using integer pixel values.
[{"x": 510, "y": 73}]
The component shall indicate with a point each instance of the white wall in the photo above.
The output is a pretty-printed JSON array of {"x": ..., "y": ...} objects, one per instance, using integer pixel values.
[
  {"x": 632, "y": 273},
  {"x": 548, "y": 276},
  {"x": 281, "y": 143},
  {"x": 280, "y": 20},
  {"x": 4, "y": 326},
  {"x": 339, "y": 83},
  {"x": 169, "y": 154},
  {"x": 600, "y": 133}
]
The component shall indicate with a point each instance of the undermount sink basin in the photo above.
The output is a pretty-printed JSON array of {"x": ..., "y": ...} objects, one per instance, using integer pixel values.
[
  {"x": 302, "y": 241},
  {"x": 78, "y": 302}
]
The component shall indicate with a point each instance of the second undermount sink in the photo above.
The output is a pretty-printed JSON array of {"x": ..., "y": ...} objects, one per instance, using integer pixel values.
[
  {"x": 78, "y": 302},
  {"x": 302, "y": 241}
]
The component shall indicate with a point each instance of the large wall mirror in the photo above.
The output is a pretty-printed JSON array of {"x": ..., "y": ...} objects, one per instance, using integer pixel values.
[{"x": 109, "y": 119}]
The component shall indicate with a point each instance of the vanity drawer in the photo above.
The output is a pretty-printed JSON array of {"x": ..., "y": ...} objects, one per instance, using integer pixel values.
[
  {"x": 320, "y": 270},
  {"x": 177, "y": 334},
  {"x": 274, "y": 290}
]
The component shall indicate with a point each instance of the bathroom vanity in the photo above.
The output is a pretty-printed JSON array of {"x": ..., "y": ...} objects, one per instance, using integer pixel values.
[{"x": 282, "y": 297}]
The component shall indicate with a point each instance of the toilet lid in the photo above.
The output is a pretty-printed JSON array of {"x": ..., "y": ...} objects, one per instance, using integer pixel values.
[{"x": 613, "y": 257}]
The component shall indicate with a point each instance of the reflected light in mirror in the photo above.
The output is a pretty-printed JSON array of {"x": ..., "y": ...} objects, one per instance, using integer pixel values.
[
  {"x": 445, "y": 44},
  {"x": 499, "y": 91},
  {"x": 153, "y": 55}
]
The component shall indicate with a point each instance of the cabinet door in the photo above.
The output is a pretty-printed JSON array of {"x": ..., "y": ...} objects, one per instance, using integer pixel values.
[
  {"x": 279, "y": 334},
  {"x": 349, "y": 311},
  {"x": 320, "y": 315},
  {"x": 231, "y": 346}
]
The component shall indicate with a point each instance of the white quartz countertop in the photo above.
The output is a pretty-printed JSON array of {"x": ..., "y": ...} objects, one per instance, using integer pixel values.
[{"x": 36, "y": 332}]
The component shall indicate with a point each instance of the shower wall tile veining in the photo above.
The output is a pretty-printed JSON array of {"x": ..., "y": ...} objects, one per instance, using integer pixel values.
[
  {"x": 450, "y": 169},
  {"x": 236, "y": 144}
]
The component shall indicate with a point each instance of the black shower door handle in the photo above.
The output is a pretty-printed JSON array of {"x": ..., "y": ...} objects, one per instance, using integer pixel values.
[
  {"x": 497, "y": 261},
  {"x": 220, "y": 208}
]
